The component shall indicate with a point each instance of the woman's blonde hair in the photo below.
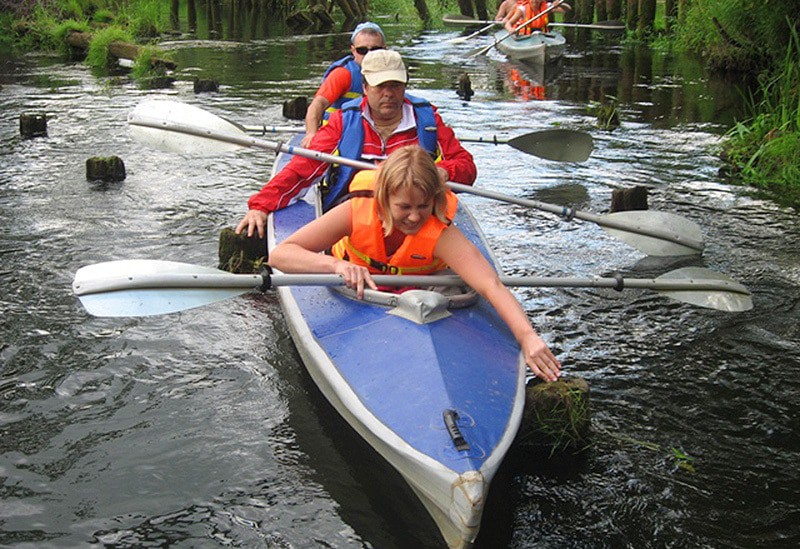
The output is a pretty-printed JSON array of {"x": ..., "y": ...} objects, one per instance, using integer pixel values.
[{"x": 409, "y": 168}]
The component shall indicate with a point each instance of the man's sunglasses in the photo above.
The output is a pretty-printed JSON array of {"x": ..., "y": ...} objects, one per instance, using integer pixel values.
[{"x": 362, "y": 50}]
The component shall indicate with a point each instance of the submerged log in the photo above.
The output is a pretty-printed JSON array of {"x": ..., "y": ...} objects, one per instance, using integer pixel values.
[
  {"x": 557, "y": 415},
  {"x": 33, "y": 125},
  {"x": 110, "y": 168},
  {"x": 241, "y": 254},
  {"x": 121, "y": 50}
]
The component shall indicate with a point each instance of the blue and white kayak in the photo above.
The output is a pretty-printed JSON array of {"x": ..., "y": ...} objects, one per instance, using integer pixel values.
[
  {"x": 538, "y": 47},
  {"x": 437, "y": 391}
]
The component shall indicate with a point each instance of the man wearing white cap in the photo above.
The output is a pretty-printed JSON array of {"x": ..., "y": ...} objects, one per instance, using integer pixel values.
[
  {"x": 370, "y": 128},
  {"x": 342, "y": 79}
]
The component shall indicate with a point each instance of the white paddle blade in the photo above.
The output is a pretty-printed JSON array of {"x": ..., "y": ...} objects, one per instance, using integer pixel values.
[
  {"x": 150, "y": 302},
  {"x": 687, "y": 234},
  {"x": 737, "y": 299},
  {"x": 151, "y": 119},
  {"x": 106, "y": 289}
]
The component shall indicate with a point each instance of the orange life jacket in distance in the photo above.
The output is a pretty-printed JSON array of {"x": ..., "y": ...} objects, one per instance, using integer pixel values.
[
  {"x": 539, "y": 24},
  {"x": 366, "y": 246}
]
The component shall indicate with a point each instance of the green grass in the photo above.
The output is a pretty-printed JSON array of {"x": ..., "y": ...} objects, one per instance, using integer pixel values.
[{"x": 764, "y": 150}]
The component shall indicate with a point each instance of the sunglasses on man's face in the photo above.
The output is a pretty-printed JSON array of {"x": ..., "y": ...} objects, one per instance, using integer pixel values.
[{"x": 362, "y": 50}]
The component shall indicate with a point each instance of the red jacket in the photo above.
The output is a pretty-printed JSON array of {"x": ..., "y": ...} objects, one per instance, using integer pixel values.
[{"x": 300, "y": 172}]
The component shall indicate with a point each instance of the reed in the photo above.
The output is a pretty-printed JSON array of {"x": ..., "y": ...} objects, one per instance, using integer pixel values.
[{"x": 764, "y": 150}]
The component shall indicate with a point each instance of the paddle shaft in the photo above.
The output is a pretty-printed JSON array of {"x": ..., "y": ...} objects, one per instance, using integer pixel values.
[
  {"x": 266, "y": 281},
  {"x": 246, "y": 141},
  {"x": 264, "y": 129},
  {"x": 518, "y": 27},
  {"x": 476, "y": 33},
  {"x": 613, "y": 24}
]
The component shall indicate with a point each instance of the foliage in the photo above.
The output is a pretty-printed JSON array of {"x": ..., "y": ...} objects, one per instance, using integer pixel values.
[
  {"x": 61, "y": 30},
  {"x": 98, "y": 55},
  {"x": 144, "y": 18},
  {"x": 764, "y": 150},
  {"x": 143, "y": 64},
  {"x": 737, "y": 34}
]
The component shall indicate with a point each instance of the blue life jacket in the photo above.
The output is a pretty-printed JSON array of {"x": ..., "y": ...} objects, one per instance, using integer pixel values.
[
  {"x": 356, "y": 86},
  {"x": 351, "y": 142}
]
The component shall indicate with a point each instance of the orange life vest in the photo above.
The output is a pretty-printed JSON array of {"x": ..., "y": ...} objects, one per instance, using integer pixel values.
[
  {"x": 529, "y": 13},
  {"x": 366, "y": 246}
]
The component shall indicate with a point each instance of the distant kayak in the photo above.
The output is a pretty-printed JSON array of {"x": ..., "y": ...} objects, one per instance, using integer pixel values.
[{"x": 539, "y": 47}]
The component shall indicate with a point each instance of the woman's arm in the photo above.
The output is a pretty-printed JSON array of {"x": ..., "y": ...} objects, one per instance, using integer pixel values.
[
  {"x": 299, "y": 253},
  {"x": 511, "y": 20},
  {"x": 468, "y": 262}
]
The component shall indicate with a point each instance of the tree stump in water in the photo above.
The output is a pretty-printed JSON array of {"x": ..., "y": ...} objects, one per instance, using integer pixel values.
[
  {"x": 202, "y": 86},
  {"x": 33, "y": 125},
  {"x": 295, "y": 109},
  {"x": 241, "y": 254},
  {"x": 623, "y": 200},
  {"x": 556, "y": 415},
  {"x": 464, "y": 88},
  {"x": 110, "y": 168}
]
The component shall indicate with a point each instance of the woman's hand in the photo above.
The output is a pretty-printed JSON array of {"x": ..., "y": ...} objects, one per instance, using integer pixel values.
[
  {"x": 539, "y": 358},
  {"x": 355, "y": 277}
]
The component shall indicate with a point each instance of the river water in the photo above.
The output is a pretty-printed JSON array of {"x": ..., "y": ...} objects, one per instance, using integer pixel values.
[{"x": 202, "y": 428}]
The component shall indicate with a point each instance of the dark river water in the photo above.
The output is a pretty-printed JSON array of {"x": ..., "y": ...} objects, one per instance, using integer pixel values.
[{"x": 202, "y": 428}]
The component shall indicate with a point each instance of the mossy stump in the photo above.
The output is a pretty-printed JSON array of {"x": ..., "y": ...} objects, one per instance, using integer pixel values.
[
  {"x": 295, "y": 109},
  {"x": 557, "y": 415},
  {"x": 241, "y": 254},
  {"x": 607, "y": 115},
  {"x": 110, "y": 168},
  {"x": 32, "y": 125},
  {"x": 155, "y": 82},
  {"x": 464, "y": 87},
  {"x": 623, "y": 200}
]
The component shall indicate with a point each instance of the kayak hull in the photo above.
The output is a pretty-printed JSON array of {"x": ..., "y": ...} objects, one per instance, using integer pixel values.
[
  {"x": 395, "y": 381},
  {"x": 539, "y": 47}
]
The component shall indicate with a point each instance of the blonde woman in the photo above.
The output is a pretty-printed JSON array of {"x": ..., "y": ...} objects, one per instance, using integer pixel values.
[{"x": 405, "y": 229}]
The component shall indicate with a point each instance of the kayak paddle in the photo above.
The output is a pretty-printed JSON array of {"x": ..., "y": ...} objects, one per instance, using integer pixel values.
[
  {"x": 142, "y": 287},
  {"x": 556, "y": 144},
  {"x": 481, "y": 51},
  {"x": 178, "y": 127}
]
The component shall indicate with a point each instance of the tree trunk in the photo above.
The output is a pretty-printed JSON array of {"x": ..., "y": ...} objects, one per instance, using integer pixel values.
[
  {"x": 614, "y": 10},
  {"x": 631, "y": 14},
  {"x": 465, "y": 6},
  {"x": 647, "y": 17},
  {"x": 601, "y": 10},
  {"x": 422, "y": 10}
]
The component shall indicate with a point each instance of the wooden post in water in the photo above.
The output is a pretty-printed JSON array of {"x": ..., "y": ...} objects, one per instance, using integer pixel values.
[
  {"x": 33, "y": 125},
  {"x": 631, "y": 14},
  {"x": 110, "y": 168}
]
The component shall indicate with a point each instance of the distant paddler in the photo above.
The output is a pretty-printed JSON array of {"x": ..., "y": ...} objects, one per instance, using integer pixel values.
[{"x": 530, "y": 10}]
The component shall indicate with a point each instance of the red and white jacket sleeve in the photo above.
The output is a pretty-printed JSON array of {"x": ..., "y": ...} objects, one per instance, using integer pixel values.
[
  {"x": 456, "y": 159},
  {"x": 300, "y": 172}
]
